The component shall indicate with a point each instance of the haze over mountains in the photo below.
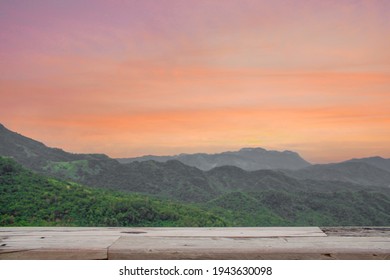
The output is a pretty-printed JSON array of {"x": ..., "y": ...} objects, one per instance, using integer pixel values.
[
  {"x": 148, "y": 171},
  {"x": 365, "y": 171},
  {"x": 247, "y": 158},
  {"x": 348, "y": 193}
]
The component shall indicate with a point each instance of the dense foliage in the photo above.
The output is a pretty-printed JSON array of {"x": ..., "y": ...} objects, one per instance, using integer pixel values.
[
  {"x": 283, "y": 208},
  {"x": 28, "y": 199}
]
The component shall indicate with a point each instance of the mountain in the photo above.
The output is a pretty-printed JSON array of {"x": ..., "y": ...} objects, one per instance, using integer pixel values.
[
  {"x": 247, "y": 158},
  {"x": 357, "y": 172},
  {"x": 171, "y": 179},
  {"x": 37, "y": 156},
  {"x": 375, "y": 161}
]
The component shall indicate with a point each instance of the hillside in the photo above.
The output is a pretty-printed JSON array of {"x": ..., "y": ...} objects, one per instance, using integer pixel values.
[
  {"x": 37, "y": 156},
  {"x": 29, "y": 199},
  {"x": 286, "y": 208}
]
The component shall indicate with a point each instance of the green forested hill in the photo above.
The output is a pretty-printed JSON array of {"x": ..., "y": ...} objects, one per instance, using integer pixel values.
[{"x": 28, "y": 199}]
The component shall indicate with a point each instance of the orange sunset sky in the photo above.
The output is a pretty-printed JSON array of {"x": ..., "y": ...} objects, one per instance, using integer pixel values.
[{"x": 129, "y": 78}]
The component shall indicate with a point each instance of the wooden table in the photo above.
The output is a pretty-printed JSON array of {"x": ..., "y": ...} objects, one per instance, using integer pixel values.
[{"x": 194, "y": 243}]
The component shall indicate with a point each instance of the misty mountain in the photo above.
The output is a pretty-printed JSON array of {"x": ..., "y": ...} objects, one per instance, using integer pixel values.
[
  {"x": 357, "y": 172},
  {"x": 379, "y": 162},
  {"x": 247, "y": 158}
]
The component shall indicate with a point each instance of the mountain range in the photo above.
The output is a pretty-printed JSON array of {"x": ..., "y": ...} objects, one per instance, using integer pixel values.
[
  {"x": 170, "y": 177},
  {"x": 249, "y": 159},
  {"x": 174, "y": 179},
  {"x": 347, "y": 193}
]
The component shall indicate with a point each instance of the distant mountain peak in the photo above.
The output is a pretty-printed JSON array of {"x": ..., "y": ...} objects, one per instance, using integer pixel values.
[
  {"x": 289, "y": 152},
  {"x": 368, "y": 158},
  {"x": 254, "y": 149}
]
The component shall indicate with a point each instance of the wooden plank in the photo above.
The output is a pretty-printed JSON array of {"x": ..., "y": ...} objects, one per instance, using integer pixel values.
[
  {"x": 48, "y": 245},
  {"x": 245, "y": 232},
  {"x": 249, "y": 248},
  {"x": 55, "y": 254},
  {"x": 43, "y": 231},
  {"x": 356, "y": 231},
  {"x": 166, "y": 232}
]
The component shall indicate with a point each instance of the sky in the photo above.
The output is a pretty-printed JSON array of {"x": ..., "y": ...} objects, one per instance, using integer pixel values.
[{"x": 131, "y": 78}]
